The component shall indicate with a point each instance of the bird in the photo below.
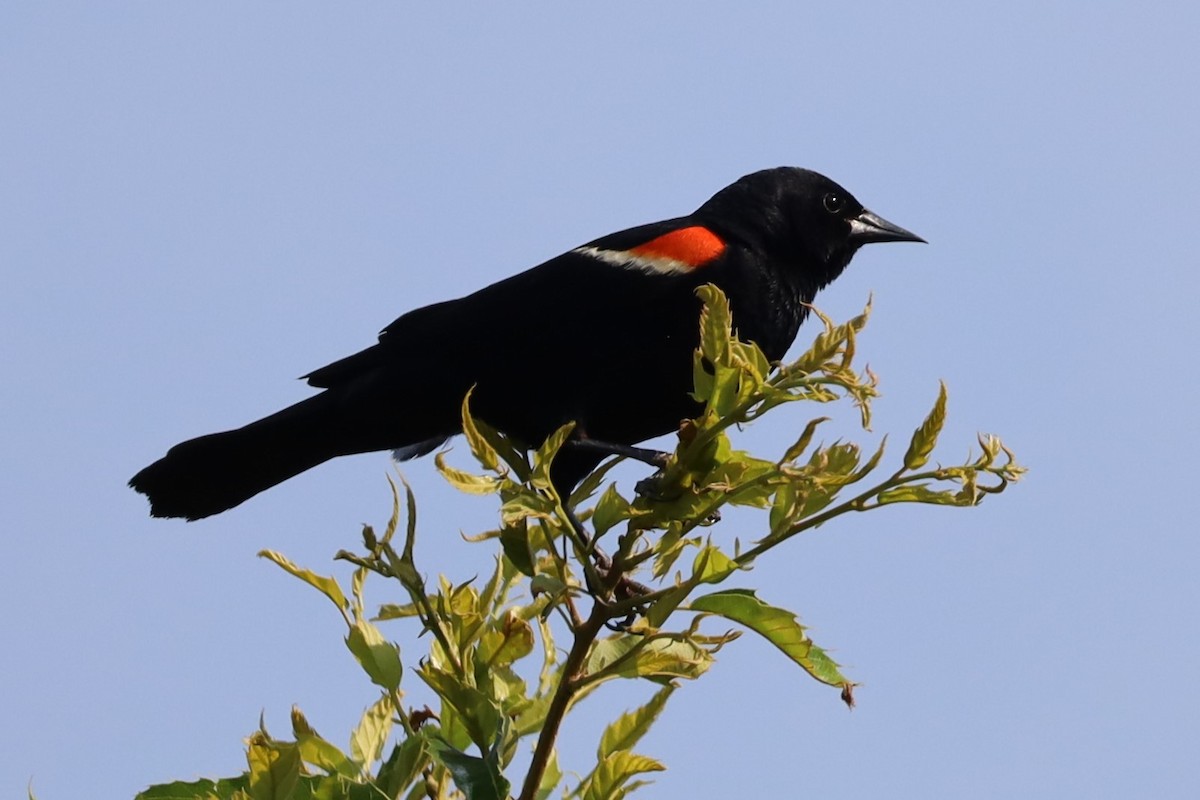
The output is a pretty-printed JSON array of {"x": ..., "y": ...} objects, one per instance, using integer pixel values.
[{"x": 602, "y": 335}]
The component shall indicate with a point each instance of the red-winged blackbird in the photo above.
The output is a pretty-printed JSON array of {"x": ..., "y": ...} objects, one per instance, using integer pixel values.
[{"x": 602, "y": 335}]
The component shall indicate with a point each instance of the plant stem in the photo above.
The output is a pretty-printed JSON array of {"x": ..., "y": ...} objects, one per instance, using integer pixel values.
[
  {"x": 567, "y": 687},
  {"x": 429, "y": 617},
  {"x": 856, "y": 503}
]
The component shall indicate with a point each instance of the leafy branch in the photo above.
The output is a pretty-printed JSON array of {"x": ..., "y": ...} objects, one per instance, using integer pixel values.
[{"x": 549, "y": 565}]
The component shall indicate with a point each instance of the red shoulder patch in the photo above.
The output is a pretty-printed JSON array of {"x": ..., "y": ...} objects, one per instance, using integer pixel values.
[{"x": 694, "y": 246}]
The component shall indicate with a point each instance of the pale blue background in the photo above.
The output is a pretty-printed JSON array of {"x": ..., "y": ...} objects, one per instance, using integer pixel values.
[{"x": 199, "y": 202}]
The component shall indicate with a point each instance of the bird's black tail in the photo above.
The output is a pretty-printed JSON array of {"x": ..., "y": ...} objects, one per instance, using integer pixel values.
[{"x": 211, "y": 474}]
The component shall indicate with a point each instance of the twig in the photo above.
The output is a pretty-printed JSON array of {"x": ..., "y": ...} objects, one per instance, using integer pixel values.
[{"x": 572, "y": 676}]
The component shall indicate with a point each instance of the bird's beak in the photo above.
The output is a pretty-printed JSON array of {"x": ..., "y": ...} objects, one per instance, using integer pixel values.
[{"x": 868, "y": 227}]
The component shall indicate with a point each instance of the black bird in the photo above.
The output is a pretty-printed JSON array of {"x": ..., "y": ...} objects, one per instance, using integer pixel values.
[{"x": 602, "y": 335}]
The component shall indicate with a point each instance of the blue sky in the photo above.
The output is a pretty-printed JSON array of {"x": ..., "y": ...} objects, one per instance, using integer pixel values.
[{"x": 199, "y": 202}]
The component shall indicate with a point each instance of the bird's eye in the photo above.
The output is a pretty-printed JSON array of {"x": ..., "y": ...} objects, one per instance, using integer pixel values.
[{"x": 834, "y": 203}]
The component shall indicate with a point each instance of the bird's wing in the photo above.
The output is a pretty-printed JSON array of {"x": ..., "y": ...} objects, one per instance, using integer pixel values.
[
  {"x": 426, "y": 323},
  {"x": 599, "y": 278},
  {"x": 672, "y": 247}
]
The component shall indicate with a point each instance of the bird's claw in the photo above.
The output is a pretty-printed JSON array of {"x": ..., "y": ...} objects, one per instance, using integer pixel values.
[{"x": 651, "y": 488}]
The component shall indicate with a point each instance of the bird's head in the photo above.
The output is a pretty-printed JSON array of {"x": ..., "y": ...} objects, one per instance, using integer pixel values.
[{"x": 798, "y": 217}]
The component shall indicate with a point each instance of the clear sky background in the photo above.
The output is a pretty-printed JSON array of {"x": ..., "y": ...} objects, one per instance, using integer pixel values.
[{"x": 200, "y": 202}]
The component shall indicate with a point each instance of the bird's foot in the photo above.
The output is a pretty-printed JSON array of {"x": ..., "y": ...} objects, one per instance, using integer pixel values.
[{"x": 651, "y": 489}]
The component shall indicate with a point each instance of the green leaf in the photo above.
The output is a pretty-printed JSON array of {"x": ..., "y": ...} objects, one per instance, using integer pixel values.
[
  {"x": 327, "y": 586},
  {"x": 823, "y": 348},
  {"x": 546, "y": 676},
  {"x": 403, "y": 766},
  {"x": 872, "y": 463},
  {"x": 510, "y": 639},
  {"x": 800, "y": 445},
  {"x": 670, "y": 547},
  {"x": 453, "y": 603},
  {"x": 514, "y": 539},
  {"x": 813, "y": 498},
  {"x": 465, "y": 481},
  {"x": 610, "y": 509},
  {"x": 410, "y": 529},
  {"x": 840, "y": 459},
  {"x": 991, "y": 446},
  {"x": 481, "y": 448},
  {"x": 321, "y": 753},
  {"x": 856, "y": 324},
  {"x": 702, "y": 377},
  {"x": 274, "y": 768},
  {"x": 544, "y": 456},
  {"x": 662, "y": 608},
  {"x": 550, "y": 777},
  {"x": 511, "y": 453},
  {"x": 726, "y": 390},
  {"x": 742, "y": 480},
  {"x": 452, "y": 729},
  {"x": 588, "y": 486},
  {"x": 779, "y": 626},
  {"x": 750, "y": 356},
  {"x": 625, "y": 732},
  {"x": 506, "y": 688},
  {"x": 716, "y": 324},
  {"x": 477, "y": 778},
  {"x": 626, "y": 656},
  {"x": 357, "y": 582},
  {"x": 396, "y": 611},
  {"x": 394, "y": 518},
  {"x": 379, "y": 658},
  {"x": 479, "y": 714},
  {"x": 547, "y": 584},
  {"x": 372, "y": 732},
  {"x": 921, "y": 493},
  {"x": 608, "y": 780},
  {"x": 195, "y": 790},
  {"x": 495, "y": 591},
  {"x": 526, "y": 505},
  {"x": 925, "y": 437},
  {"x": 712, "y": 566},
  {"x": 783, "y": 509}
]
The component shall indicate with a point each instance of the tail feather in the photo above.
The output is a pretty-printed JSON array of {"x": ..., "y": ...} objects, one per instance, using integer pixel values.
[{"x": 211, "y": 474}]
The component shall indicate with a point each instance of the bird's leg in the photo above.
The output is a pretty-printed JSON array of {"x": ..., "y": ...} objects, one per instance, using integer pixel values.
[
  {"x": 655, "y": 458},
  {"x": 647, "y": 487}
]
